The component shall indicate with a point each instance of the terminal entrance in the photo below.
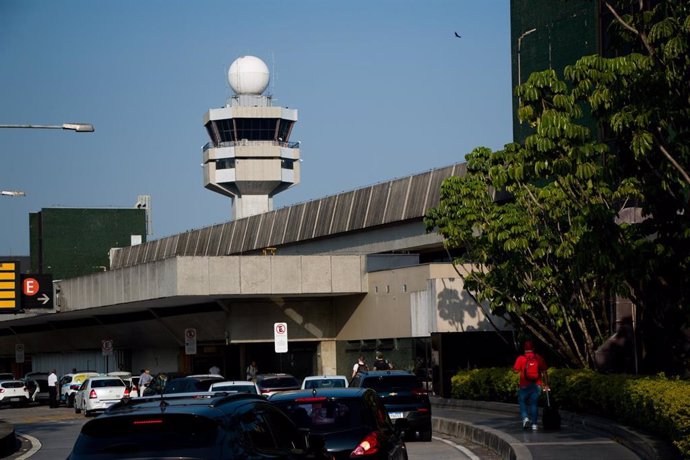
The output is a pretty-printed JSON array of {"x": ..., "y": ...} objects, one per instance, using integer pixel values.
[{"x": 233, "y": 359}]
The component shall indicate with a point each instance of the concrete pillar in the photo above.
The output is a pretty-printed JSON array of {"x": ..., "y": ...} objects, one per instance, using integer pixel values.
[{"x": 326, "y": 361}]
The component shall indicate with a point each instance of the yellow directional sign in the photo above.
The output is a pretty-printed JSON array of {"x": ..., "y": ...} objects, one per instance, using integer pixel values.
[{"x": 9, "y": 287}]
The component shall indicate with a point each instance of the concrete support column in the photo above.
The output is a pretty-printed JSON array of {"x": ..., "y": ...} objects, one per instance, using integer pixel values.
[{"x": 326, "y": 361}]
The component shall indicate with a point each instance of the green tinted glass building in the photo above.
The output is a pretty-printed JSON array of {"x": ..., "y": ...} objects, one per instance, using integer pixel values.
[{"x": 69, "y": 242}]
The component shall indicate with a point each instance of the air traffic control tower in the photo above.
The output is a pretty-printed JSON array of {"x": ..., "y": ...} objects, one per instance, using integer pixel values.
[{"x": 250, "y": 157}]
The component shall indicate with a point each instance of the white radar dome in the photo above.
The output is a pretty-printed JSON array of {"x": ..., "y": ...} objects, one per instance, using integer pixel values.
[{"x": 248, "y": 75}]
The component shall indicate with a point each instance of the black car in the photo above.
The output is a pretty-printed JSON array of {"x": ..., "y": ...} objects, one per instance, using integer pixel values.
[
  {"x": 182, "y": 385},
  {"x": 239, "y": 426},
  {"x": 404, "y": 396},
  {"x": 352, "y": 421}
]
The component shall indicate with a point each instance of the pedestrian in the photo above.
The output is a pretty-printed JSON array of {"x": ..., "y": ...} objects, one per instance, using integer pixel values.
[
  {"x": 145, "y": 380},
  {"x": 360, "y": 365},
  {"x": 52, "y": 389},
  {"x": 214, "y": 370},
  {"x": 252, "y": 371},
  {"x": 380, "y": 363},
  {"x": 531, "y": 367}
]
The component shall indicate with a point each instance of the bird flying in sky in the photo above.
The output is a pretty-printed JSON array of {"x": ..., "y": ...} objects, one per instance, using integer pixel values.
[{"x": 457, "y": 35}]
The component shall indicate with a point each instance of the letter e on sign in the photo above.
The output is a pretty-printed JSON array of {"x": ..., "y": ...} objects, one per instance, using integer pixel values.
[
  {"x": 30, "y": 286},
  {"x": 280, "y": 336}
]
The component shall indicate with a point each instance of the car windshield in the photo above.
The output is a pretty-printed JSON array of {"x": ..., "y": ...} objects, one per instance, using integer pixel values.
[
  {"x": 12, "y": 384},
  {"x": 324, "y": 383},
  {"x": 107, "y": 383},
  {"x": 391, "y": 382},
  {"x": 322, "y": 415},
  {"x": 235, "y": 388},
  {"x": 162, "y": 434},
  {"x": 278, "y": 382}
]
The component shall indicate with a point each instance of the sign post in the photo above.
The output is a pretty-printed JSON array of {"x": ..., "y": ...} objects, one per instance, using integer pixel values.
[
  {"x": 107, "y": 350},
  {"x": 19, "y": 353},
  {"x": 280, "y": 334},
  {"x": 190, "y": 341}
]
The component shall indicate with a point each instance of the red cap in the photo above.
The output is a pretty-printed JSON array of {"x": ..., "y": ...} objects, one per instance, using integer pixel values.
[{"x": 528, "y": 345}]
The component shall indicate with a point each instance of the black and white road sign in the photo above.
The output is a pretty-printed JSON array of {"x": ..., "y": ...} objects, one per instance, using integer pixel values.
[
  {"x": 190, "y": 341},
  {"x": 280, "y": 334}
]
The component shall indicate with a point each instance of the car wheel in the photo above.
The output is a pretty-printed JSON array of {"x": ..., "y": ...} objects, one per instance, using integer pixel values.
[
  {"x": 425, "y": 435},
  {"x": 87, "y": 413},
  {"x": 76, "y": 409},
  {"x": 70, "y": 401}
]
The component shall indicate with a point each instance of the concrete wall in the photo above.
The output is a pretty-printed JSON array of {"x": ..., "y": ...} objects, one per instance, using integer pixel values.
[{"x": 216, "y": 276}]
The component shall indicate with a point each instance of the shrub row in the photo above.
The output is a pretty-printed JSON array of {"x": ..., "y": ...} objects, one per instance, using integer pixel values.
[{"x": 655, "y": 404}]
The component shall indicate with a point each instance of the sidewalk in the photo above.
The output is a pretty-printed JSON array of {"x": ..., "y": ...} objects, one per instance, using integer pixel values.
[{"x": 497, "y": 426}]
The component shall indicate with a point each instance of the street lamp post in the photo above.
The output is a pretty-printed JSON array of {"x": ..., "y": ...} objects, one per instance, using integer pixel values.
[
  {"x": 519, "y": 45},
  {"x": 11, "y": 193},
  {"x": 76, "y": 127}
]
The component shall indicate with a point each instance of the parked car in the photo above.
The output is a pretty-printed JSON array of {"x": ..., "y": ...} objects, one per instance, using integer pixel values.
[
  {"x": 404, "y": 396},
  {"x": 14, "y": 392},
  {"x": 69, "y": 384},
  {"x": 212, "y": 427},
  {"x": 184, "y": 385},
  {"x": 324, "y": 381},
  {"x": 129, "y": 382},
  {"x": 353, "y": 421},
  {"x": 271, "y": 383},
  {"x": 98, "y": 393},
  {"x": 235, "y": 386}
]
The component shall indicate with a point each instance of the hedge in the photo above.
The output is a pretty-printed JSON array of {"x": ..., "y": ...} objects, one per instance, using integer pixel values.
[{"x": 656, "y": 404}]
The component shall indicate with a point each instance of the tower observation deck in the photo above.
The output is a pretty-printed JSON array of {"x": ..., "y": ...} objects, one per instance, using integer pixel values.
[{"x": 250, "y": 157}]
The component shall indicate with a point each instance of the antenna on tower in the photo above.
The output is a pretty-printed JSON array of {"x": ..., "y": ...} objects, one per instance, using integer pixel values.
[{"x": 273, "y": 73}]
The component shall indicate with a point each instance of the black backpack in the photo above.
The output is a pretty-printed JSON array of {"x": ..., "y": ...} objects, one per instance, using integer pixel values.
[{"x": 381, "y": 365}]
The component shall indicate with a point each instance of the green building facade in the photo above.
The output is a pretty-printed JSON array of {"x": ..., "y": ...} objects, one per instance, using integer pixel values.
[
  {"x": 70, "y": 242},
  {"x": 551, "y": 34}
]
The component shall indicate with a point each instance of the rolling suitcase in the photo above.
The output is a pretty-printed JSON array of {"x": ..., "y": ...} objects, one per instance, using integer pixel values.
[{"x": 551, "y": 418}]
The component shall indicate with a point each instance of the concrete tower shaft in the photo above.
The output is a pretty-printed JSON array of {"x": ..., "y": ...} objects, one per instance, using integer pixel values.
[{"x": 250, "y": 157}]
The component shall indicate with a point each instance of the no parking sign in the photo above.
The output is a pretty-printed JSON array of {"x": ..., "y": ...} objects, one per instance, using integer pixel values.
[
  {"x": 280, "y": 335},
  {"x": 190, "y": 341}
]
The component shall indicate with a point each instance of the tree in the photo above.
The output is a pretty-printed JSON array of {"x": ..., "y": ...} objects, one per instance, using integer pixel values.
[{"x": 550, "y": 249}]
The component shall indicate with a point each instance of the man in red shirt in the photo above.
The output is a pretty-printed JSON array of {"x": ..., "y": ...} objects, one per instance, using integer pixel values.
[{"x": 530, "y": 366}]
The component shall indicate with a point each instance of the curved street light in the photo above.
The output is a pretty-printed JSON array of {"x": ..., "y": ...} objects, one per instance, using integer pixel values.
[{"x": 76, "y": 127}]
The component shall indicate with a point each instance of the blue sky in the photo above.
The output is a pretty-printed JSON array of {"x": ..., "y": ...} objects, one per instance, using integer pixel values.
[{"x": 382, "y": 87}]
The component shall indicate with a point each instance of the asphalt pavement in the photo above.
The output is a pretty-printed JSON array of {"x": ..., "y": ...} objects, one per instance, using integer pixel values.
[{"x": 498, "y": 426}]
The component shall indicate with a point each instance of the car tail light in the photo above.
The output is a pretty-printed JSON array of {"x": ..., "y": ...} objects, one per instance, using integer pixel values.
[
  {"x": 423, "y": 409},
  {"x": 153, "y": 421},
  {"x": 264, "y": 391},
  {"x": 93, "y": 395},
  {"x": 311, "y": 399},
  {"x": 126, "y": 392},
  {"x": 369, "y": 446},
  {"x": 419, "y": 392},
  {"x": 2, "y": 390}
]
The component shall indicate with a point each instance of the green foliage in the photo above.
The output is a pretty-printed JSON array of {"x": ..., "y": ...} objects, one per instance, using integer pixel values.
[
  {"x": 652, "y": 403},
  {"x": 540, "y": 221}
]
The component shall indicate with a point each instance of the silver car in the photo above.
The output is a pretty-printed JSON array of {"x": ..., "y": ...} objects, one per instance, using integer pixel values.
[{"x": 99, "y": 393}]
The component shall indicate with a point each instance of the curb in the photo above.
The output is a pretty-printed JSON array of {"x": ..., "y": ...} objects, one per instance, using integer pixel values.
[{"x": 8, "y": 439}]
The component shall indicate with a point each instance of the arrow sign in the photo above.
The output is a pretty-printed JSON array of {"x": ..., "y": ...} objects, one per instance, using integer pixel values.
[{"x": 37, "y": 291}]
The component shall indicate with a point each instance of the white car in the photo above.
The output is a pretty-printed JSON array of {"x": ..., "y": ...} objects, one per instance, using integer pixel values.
[
  {"x": 69, "y": 384},
  {"x": 324, "y": 381},
  {"x": 235, "y": 386},
  {"x": 99, "y": 393},
  {"x": 14, "y": 392},
  {"x": 129, "y": 382}
]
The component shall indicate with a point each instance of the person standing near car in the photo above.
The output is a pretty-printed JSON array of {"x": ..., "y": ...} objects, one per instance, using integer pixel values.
[
  {"x": 52, "y": 389},
  {"x": 360, "y": 365},
  {"x": 144, "y": 381},
  {"x": 252, "y": 371},
  {"x": 381, "y": 364}
]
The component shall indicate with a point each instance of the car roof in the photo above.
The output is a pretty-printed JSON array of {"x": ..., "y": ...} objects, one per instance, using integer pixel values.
[
  {"x": 233, "y": 383},
  {"x": 323, "y": 377},
  {"x": 316, "y": 392},
  {"x": 207, "y": 403},
  {"x": 104, "y": 377}
]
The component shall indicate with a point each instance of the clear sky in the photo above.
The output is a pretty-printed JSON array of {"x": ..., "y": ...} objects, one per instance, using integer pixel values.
[{"x": 383, "y": 89}]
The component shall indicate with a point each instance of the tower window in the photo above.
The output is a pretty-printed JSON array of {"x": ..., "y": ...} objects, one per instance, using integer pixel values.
[{"x": 225, "y": 163}]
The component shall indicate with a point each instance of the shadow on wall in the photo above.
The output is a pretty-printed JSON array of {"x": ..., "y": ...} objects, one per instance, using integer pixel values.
[{"x": 459, "y": 311}]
